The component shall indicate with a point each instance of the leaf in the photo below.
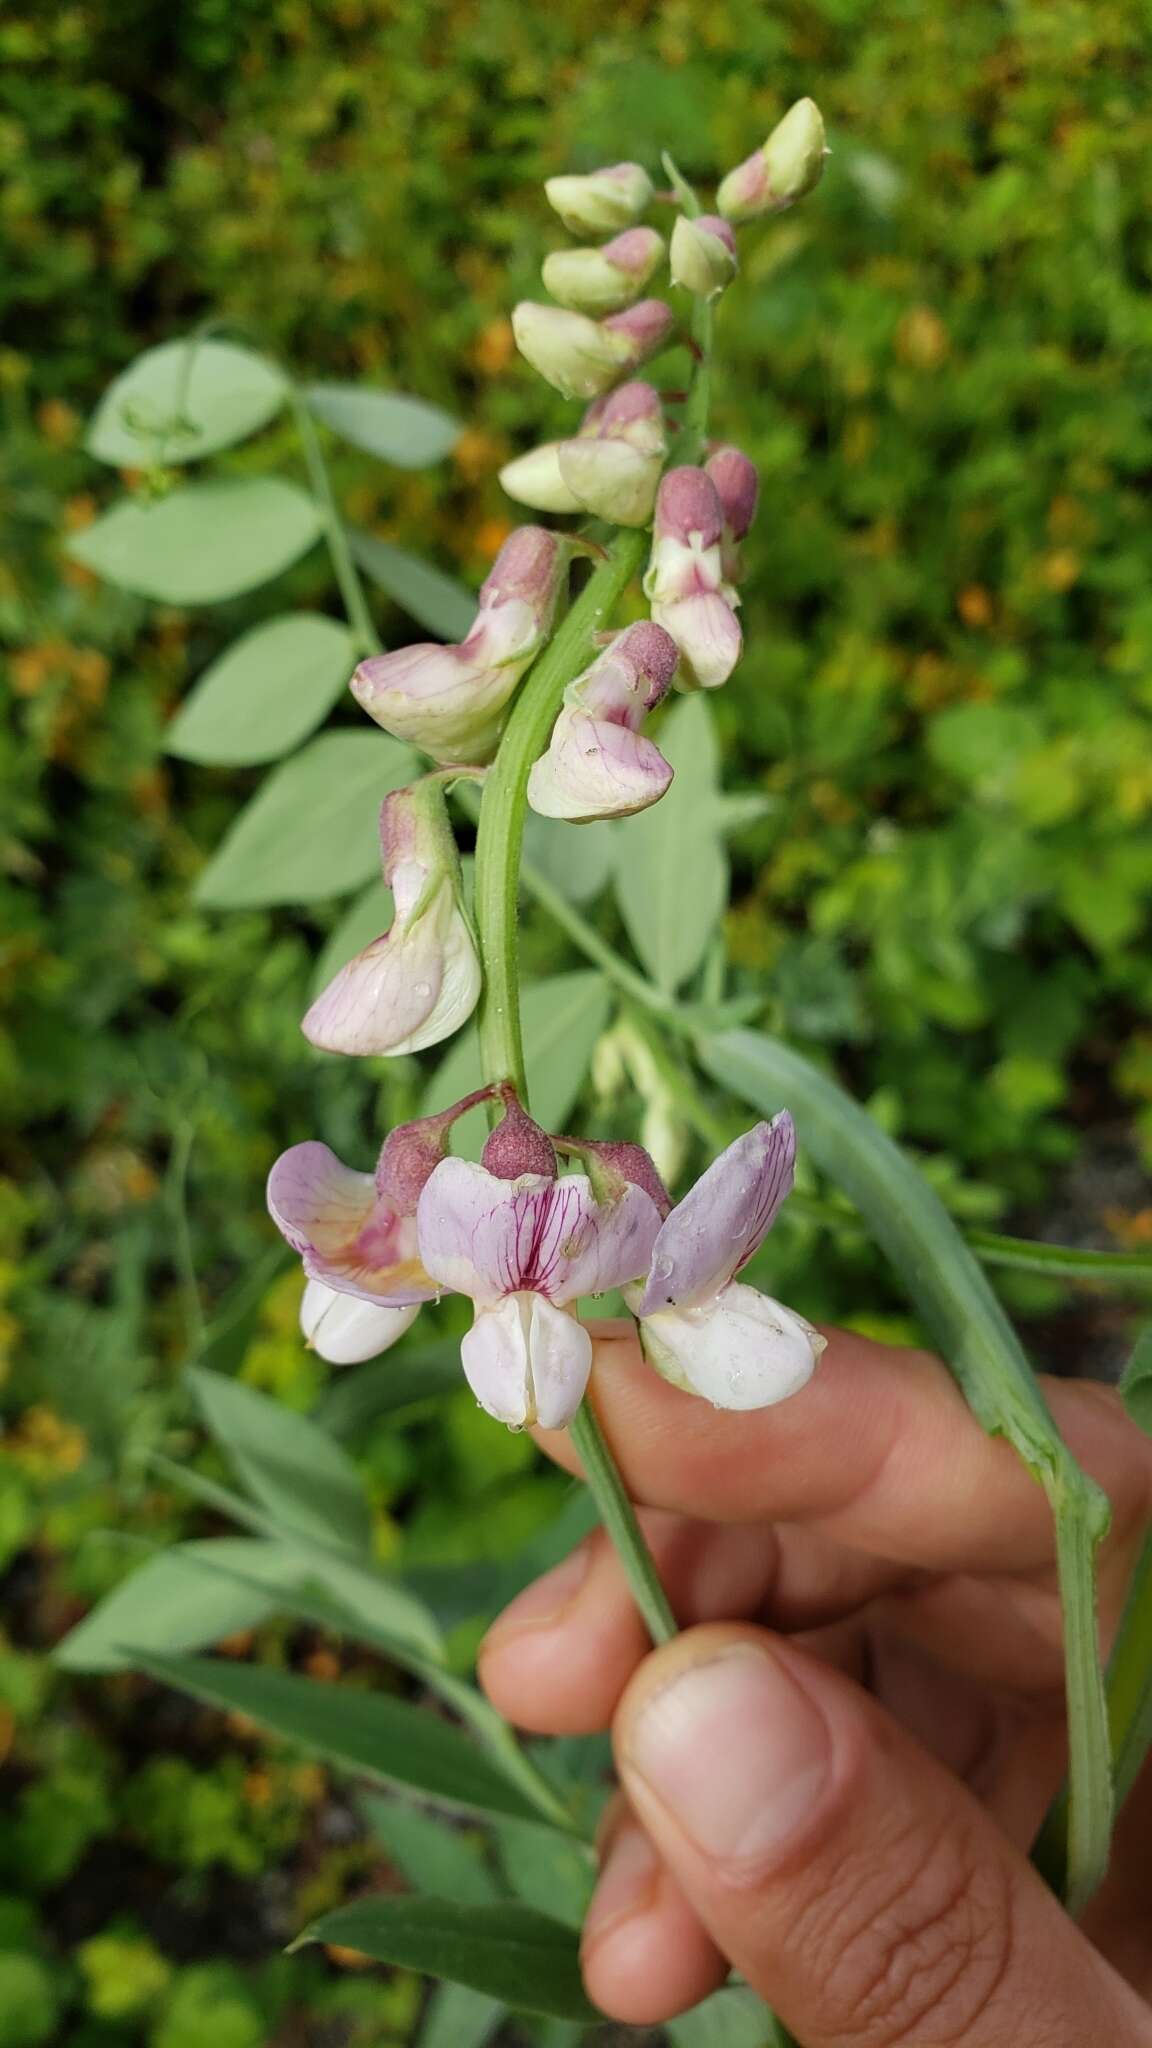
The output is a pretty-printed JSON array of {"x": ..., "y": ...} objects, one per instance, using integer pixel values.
[
  {"x": 183, "y": 400},
  {"x": 304, "y": 1480},
  {"x": 437, "y": 602},
  {"x": 732, "y": 2018},
  {"x": 433, "y": 1853},
  {"x": 459, "y": 2018},
  {"x": 550, "y": 1866},
  {"x": 360, "y": 1396},
  {"x": 364, "y": 920},
  {"x": 510, "y": 1952},
  {"x": 311, "y": 830},
  {"x": 169, "y": 1604},
  {"x": 1136, "y": 1381},
  {"x": 562, "y": 1020},
  {"x": 368, "y": 1734},
  {"x": 482, "y": 1587},
  {"x": 959, "y": 1309},
  {"x": 403, "y": 430},
  {"x": 576, "y": 859},
  {"x": 202, "y": 543},
  {"x": 266, "y": 692},
  {"x": 671, "y": 868}
]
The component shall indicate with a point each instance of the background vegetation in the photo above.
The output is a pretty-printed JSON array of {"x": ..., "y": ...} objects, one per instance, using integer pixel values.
[{"x": 942, "y": 365}]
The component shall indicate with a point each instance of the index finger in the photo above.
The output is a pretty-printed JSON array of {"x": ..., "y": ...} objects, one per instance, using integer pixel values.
[{"x": 879, "y": 1450}]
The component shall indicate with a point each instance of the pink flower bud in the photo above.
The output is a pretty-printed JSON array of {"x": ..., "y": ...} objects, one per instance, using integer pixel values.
[
  {"x": 788, "y": 165},
  {"x": 703, "y": 255},
  {"x": 420, "y": 980},
  {"x": 599, "y": 281},
  {"x": 602, "y": 201},
  {"x": 411, "y": 1153},
  {"x": 738, "y": 484},
  {"x": 613, "y": 465},
  {"x": 451, "y": 701},
  {"x": 518, "y": 1146},
  {"x": 685, "y": 580},
  {"x": 613, "y": 1164},
  {"x": 582, "y": 358},
  {"x": 598, "y": 765}
]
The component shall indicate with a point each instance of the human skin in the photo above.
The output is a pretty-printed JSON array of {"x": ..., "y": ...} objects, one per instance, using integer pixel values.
[{"x": 831, "y": 1778}]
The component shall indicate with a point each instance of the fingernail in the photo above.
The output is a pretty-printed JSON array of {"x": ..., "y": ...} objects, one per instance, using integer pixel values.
[
  {"x": 626, "y": 1882},
  {"x": 543, "y": 1603},
  {"x": 735, "y": 1750}
]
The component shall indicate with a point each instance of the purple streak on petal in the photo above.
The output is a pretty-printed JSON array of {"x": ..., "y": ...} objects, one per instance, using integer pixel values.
[
  {"x": 714, "y": 1231},
  {"x": 487, "y": 1237},
  {"x": 345, "y": 1233}
]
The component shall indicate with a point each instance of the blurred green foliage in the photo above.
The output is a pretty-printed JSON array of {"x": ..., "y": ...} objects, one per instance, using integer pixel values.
[{"x": 941, "y": 364}]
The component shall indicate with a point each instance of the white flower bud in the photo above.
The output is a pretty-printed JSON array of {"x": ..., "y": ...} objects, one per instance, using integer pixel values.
[{"x": 602, "y": 201}]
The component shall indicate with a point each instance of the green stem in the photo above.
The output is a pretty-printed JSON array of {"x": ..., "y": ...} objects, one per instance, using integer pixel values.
[
  {"x": 343, "y": 567},
  {"x": 1130, "y": 1680},
  {"x": 619, "y": 1518},
  {"x": 501, "y": 830}
]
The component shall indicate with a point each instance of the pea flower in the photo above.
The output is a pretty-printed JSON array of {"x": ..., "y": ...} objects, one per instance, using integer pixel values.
[
  {"x": 685, "y": 582},
  {"x": 420, "y": 981},
  {"x": 344, "y": 1330},
  {"x": 451, "y": 701},
  {"x": 611, "y": 467},
  {"x": 737, "y": 484},
  {"x": 583, "y": 358},
  {"x": 599, "y": 281},
  {"x": 598, "y": 764},
  {"x": 524, "y": 1246},
  {"x": 787, "y": 166},
  {"x": 703, "y": 254},
  {"x": 601, "y": 201},
  {"x": 700, "y": 1327}
]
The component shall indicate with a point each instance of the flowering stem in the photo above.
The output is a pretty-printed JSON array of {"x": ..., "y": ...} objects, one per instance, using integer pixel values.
[
  {"x": 619, "y": 1518},
  {"x": 501, "y": 831}
]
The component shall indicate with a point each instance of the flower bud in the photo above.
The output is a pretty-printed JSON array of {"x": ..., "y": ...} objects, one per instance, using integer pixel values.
[
  {"x": 598, "y": 765},
  {"x": 451, "y": 701},
  {"x": 599, "y": 281},
  {"x": 602, "y": 201},
  {"x": 518, "y": 1146},
  {"x": 344, "y": 1330},
  {"x": 790, "y": 163},
  {"x": 613, "y": 1164},
  {"x": 703, "y": 255},
  {"x": 420, "y": 981},
  {"x": 411, "y": 1153},
  {"x": 738, "y": 487},
  {"x": 535, "y": 479},
  {"x": 685, "y": 580},
  {"x": 583, "y": 358},
  {"x": 613, "y": 465}
]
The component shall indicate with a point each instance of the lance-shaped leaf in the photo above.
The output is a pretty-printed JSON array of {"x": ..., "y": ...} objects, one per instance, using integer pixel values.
[
  {"x": 437, "y": 602},
  {"x": 297, "y": 1472}
]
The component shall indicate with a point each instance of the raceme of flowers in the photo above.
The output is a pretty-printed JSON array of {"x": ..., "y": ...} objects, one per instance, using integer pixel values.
[
  {"x": 541, "y": 1223},
  {"x": 525, "y": 1241}
]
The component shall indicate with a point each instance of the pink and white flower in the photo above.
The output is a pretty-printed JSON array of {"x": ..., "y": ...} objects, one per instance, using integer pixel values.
[
  {"x": 349, "y": 1230},
  {"x": 600, "y": 202},
  {"x": 598, "y": 763},
  {"x": 787, "y": 166},
  {"x": 703, "y": 254},
  {"x": 703, "y": 1329},
  {"x": 611, "y": 467},
  {"x": 685, "y": 581},
  {"x": 583, "y": 358},
  {"x": 451, "y": 701},
  {"x": 605, "y": 280},
  {"x": 343, "y": 1330},
  {"x": 525, "y": 1250},
  {"x": 420, "y": 981},
  {"x": 737, "y": 482}
]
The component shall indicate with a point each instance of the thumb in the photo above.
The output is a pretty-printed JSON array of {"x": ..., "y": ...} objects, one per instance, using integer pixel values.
[{"x": 859, "y": 1888}]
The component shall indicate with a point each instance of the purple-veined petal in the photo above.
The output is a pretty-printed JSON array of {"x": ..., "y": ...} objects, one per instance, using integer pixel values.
[
  {"x": 487, "y": 1237},
  {"x": 409, "y": 989},
  {"x": 346, "y": 1234},
  {"x": 596, "y": 769},
  {"x": 344, "y": 1330},
  {"x": 739, "y": 1350},
  {"x": 723, "y": 1219},
  {"x": 527, "y": 1361}
]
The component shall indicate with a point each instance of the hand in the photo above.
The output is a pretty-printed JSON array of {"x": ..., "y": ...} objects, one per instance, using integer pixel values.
[{"x": 832, "y": 1778}]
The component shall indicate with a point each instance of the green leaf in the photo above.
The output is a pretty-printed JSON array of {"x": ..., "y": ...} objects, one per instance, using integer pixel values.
[
  {"x": 183, "y": 400},
  {"x": 403, "y": 430},
  {"x": 170, "y": 1604},
  {"x": 671, "y": 867},
  {"x": 976, "y": 1340},
  {"x": 202, "y": 543},
  {"x": 311, "y": 830},
  {"x": 365, "y": 1393},
  {"x": 266, "y": 693},
  {"x": 459, "y": 2018},
  {"x": 520, "y": 1957},
  {"x": 546, "y": 1866},
  {"x": 437, "y": 602},
  {"x": 562, "y": 1020},
  {"x": 364, "y": 920},
  {"x": 368, "y": 1734},
  {"x": 308, "y": 1485},
  {"x": 732, "y": 2018},
  {"x": 1136, "y": 1382},
  {"x": 434, "y": 1854},
  {"x": 576, "y": 859}
]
